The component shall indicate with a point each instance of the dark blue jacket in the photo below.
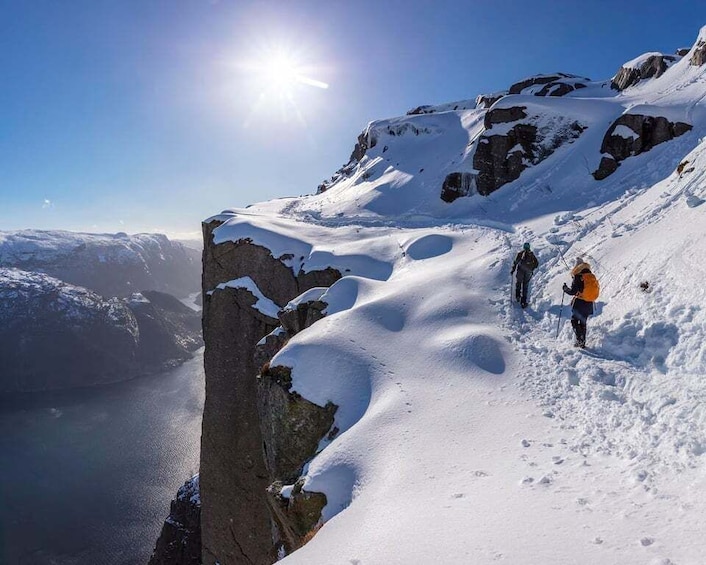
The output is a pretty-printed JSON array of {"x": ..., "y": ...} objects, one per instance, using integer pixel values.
[{"x": 581, "y": 307}]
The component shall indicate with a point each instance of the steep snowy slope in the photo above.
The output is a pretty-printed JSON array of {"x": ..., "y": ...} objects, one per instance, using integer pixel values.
[{"x": 467, "y": 430}]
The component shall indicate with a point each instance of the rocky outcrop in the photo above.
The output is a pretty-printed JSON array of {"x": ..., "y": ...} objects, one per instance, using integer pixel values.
[
  {"x": 501, "y": 158},
  {"x": 457, "y": 185},
  {"x": 698, "y": 57},
  {"x": 109, "y": 264},
  {"x": 180, "y": 540},
  {"x": 296, "y": 514},
  {"x": 487, "y": 100},
  {"x": 169, "y": 331},
  {"x": 292, "y": 427},
  {"x": 56, "y": 335},
  {"x": 651, "y": 66},
  {"x": 558, "y": 84},
  {"x": 236, "y": 517},
  {"x": 632, "y": 134}
]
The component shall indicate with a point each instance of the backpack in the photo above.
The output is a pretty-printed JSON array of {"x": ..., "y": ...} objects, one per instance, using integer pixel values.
[
  {"x": 528, "y": 260},
  {"x": 591, "y": 288}
]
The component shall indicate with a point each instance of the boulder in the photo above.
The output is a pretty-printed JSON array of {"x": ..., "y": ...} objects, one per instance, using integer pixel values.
[
  {"x": 649, "y": 66},
  {"x": 632, "y": 134}
]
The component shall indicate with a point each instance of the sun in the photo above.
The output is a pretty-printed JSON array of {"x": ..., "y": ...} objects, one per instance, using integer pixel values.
[
  {"x": 279, "y": 80},
  {"x": 282, "y": 72}
]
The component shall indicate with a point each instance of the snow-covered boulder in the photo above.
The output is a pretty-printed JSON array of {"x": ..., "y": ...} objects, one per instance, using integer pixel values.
[
  {"x": 632, "y": 134},
  {"x": 646, "y": 66},
  {"x": 558, "y": 84}
]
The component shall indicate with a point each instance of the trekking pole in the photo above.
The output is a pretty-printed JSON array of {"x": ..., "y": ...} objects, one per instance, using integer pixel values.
[
  {"x": 565, "y": 263},
  {"x": 560, "y": 311},
  {"x": 511, "y": 277}
]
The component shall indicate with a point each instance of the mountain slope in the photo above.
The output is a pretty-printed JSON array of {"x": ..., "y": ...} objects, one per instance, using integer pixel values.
[{"x": 466, "y": 430}]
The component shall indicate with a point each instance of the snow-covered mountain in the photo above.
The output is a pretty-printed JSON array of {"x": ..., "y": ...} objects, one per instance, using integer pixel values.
[
  {"x": 409, "y": 412},
  {"x": 110, "y": 264}
]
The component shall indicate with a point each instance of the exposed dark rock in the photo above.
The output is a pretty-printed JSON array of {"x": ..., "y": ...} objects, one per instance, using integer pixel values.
[
  {"x": 487, "y": 100},
  {"x": 457, "y": 185},
  {"x": 180, "y": 540},
  {"x": 235, "y": 514},
  {"x": 296, "y": 516},
  {"x": 698, "y": 58},
  {"x": 607, "y": 167},
  {"x": 111, "y": 265},
  {"x": 56, "y": 335},
  {"x": 496, "y": 163},
  {"x": 683, "y": 51},
  {"x": 644, "y": 132},
  {"x": 518, "y": 87},
  {"x": 501, "y": 158},
  {"x": 559, "y": 88},
  {"x": 301, "y": 316},
  {"x": 653, "y": 67},
  {"x": 558, "y": 84},
  {"x": 292, "y": 427},
  {"x": 169, "y": 330},
  {"x": 425, "y": 109},
  {"x": 366, "y": 140},
  {"x": 504, "y": 115}
]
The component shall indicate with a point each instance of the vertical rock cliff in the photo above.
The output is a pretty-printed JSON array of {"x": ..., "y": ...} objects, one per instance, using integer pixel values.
[{"x": 236, "y": 521}]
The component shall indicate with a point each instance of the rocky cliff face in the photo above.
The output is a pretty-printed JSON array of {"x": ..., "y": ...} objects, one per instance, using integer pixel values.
[
  {"x": 180, "y": 540},
  {"x": 237, "y": 517}
]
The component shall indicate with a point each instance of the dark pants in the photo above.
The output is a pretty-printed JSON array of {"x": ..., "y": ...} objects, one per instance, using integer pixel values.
[
  {"x": 522, "y": 279},
  {"x": 580, "y": 312},
  {"x": 579, "y": 326}
]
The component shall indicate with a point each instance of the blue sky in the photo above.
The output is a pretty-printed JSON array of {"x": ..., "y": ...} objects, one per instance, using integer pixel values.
[{"x": 143, "y": 115}]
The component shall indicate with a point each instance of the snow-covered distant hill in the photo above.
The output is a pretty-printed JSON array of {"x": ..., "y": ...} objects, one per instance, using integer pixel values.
[
  {"x": 110, "y": 264},
  {"x": 465, "y": 429}
]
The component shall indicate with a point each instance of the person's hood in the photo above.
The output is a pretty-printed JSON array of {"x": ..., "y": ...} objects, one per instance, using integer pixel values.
[{"x": 580, "y": 267}]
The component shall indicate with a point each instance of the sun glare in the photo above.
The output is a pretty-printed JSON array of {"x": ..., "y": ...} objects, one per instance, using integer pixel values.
[
  {"x": 280, "y": 77},
  {"x": 282, "y": 72}
]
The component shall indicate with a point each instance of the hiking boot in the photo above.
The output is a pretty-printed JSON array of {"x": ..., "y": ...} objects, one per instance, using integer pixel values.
[
  {"x": 523, "y": 304},
  {"x": 580, "y": 343}
]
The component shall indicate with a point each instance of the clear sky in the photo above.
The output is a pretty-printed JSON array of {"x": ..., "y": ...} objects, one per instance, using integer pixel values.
[{"x": 143, "y": 115}]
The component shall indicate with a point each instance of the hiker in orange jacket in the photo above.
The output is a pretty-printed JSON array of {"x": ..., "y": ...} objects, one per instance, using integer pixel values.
[{"x": 584, "y": 289}]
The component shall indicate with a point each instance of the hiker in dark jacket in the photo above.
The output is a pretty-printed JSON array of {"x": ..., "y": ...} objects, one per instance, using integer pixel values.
[
  {"x": 525, "y": 264},
  {"x": 584, "y": 289}
]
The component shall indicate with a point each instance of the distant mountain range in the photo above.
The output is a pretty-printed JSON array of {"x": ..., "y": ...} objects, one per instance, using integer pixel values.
[{"x": 84, "y": 309}]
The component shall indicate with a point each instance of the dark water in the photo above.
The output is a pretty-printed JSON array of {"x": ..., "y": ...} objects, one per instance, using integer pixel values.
[{"x": 86, "y": 475}]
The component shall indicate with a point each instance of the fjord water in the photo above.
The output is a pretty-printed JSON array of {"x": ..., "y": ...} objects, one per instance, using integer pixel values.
[{"x": 86, "y": 475}]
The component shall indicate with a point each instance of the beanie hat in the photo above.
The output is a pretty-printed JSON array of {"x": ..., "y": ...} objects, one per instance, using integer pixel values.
[
  {"x": 526, "y": 246},
  {"x": 579, "y": 260}
]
